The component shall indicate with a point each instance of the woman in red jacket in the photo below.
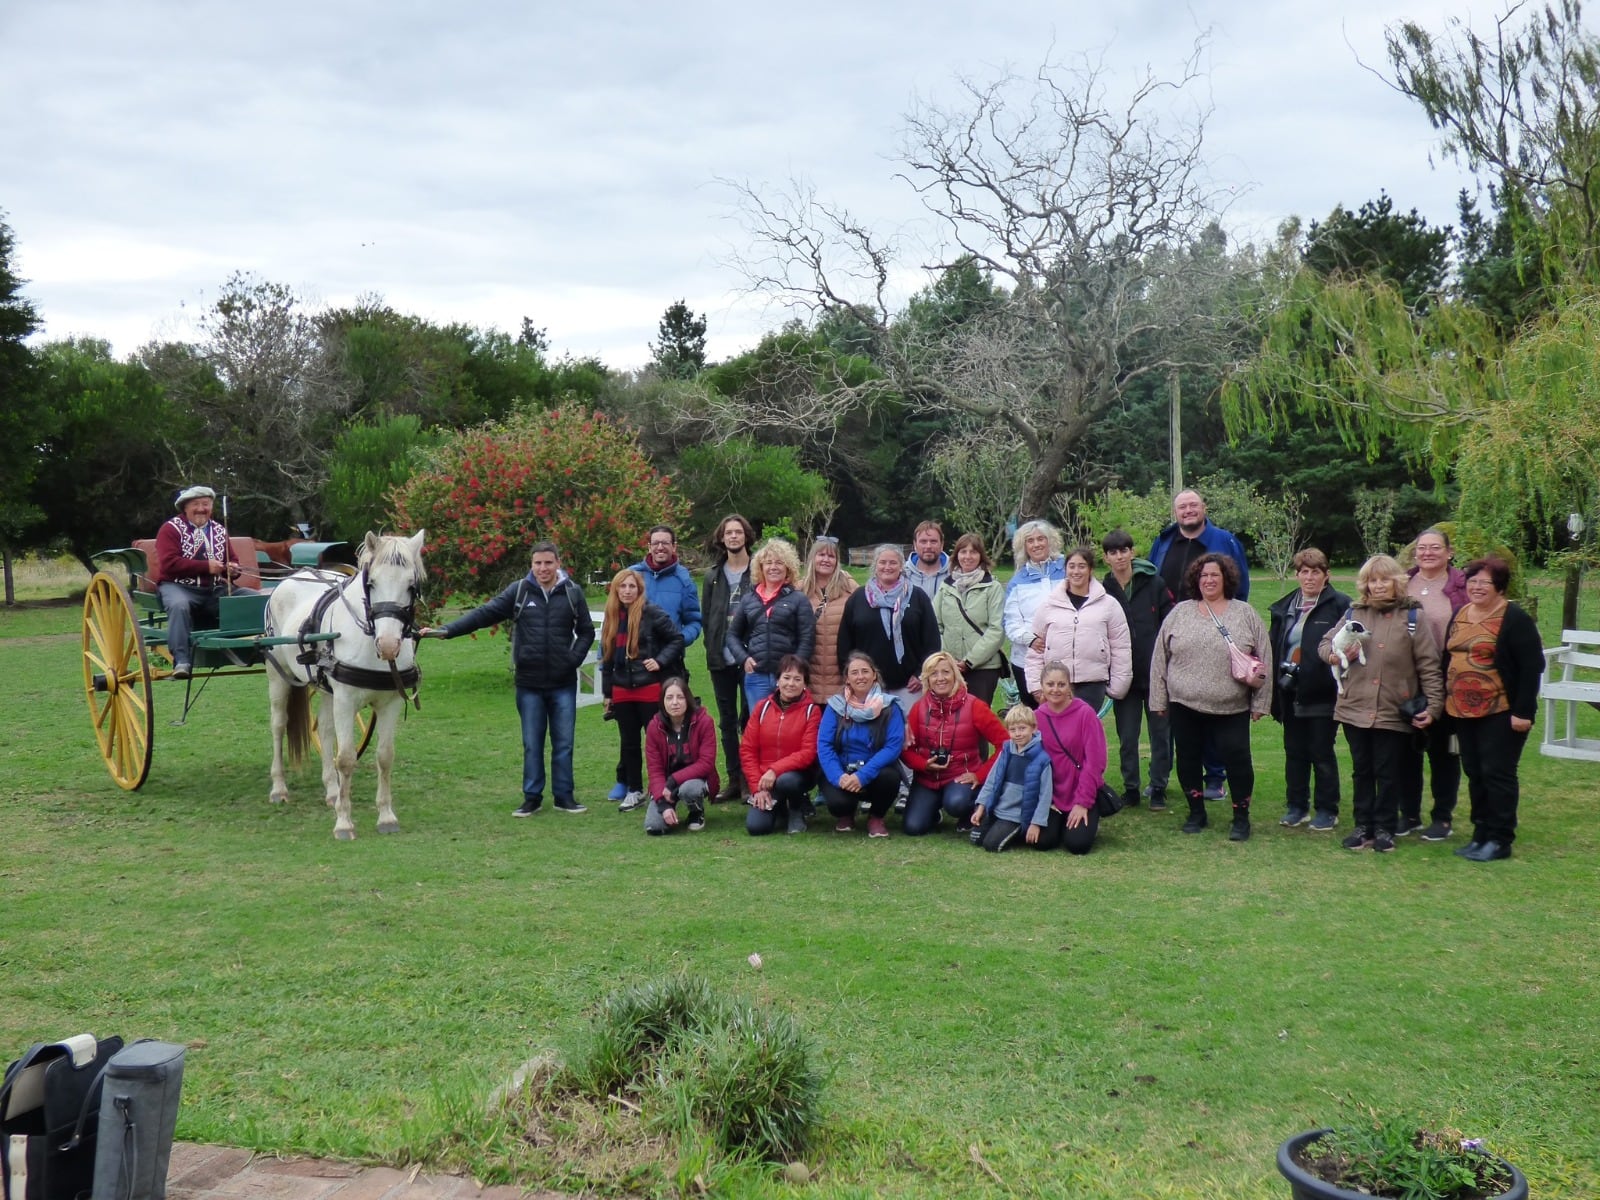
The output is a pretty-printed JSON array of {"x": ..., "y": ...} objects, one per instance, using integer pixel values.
[
  {"x": 680, "y": 749},
  {"x": 945, "y": 736},
  {"x": 779, "y": 753}
]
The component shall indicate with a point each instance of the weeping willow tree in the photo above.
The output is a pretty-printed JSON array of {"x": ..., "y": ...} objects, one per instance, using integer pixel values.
[
  {"x": 1536, "y": 457},
  {"x": 1511, "y": 411}
]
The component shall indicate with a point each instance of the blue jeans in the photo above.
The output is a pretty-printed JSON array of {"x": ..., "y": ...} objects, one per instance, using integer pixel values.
[
  {"x": 555, "y": 709},
  {"x": 757, "y": 687},
  {"x": 923, "y": 807}
]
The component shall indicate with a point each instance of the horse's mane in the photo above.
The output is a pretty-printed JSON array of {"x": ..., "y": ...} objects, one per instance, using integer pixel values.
[{"x": 393, "y": 552}]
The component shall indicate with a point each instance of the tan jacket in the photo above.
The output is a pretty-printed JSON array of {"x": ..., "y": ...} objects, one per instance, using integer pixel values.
[
  {"x": 1400, "y": 663},
  {"x": 826, "y": 678}
]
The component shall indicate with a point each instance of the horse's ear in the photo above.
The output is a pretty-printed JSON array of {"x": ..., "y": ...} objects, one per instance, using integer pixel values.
[
  {"x": 370, "y": 545},
  {"x": 416, "y": 542}
]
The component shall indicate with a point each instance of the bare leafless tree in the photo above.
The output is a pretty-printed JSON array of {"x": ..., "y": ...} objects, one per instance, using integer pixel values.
[
  {"x": 269, "y": 397},
  {"x": 1095, "y": 218}
]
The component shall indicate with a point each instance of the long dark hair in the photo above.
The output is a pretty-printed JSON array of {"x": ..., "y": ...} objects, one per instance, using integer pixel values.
[{"x": 691, "y": 703}]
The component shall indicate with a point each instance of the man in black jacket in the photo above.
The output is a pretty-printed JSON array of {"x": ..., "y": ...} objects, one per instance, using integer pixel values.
[
  {"x": 1146, "y": 600},
  {"x": 551, "y": 632}
]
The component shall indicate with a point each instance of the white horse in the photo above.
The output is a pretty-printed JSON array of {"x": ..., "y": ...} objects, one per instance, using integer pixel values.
[{"x": 371, "y": 662}]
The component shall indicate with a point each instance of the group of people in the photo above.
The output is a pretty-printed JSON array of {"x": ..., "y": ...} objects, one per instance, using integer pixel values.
[{"x": 879, "y": 697}]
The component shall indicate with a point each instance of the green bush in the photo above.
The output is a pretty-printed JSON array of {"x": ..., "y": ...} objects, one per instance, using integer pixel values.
[{"x": 700, "y": 1063}]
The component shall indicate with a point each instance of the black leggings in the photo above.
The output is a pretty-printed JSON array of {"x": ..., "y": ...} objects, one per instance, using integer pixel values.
[
  {"x": 632, "y": 716},
  {"x": 1230, "y": 739},
  {"x": 879, "y": 795},
  {"x": 788, "y": 793},
  {"x": 999, "y": 835}
]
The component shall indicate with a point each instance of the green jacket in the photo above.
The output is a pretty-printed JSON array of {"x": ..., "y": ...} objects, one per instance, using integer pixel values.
[{"x": 984, "y": 606}]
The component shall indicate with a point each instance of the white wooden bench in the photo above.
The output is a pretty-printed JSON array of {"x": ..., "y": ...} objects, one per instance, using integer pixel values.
[
  {"x": 589, "y": 690},
  {"x": 1571, "y": 678}
]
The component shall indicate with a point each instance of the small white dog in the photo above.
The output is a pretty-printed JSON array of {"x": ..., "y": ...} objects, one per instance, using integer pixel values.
[{"x": 1349, "y": 643}]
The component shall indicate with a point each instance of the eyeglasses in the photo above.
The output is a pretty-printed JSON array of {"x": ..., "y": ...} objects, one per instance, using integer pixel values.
[
  {"x": 825, "y": 540},
  {"x": 658, "y": 545}
]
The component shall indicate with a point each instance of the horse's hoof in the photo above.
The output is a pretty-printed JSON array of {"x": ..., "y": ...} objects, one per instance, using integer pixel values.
[
  {"x": 277, "y": 799},
  {"x": 345, "y": 835},
  {"x": 388, "y": 826}
]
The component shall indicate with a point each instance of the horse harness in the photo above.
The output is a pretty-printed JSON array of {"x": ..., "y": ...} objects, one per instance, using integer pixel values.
[{"x": 323, "y": 668}]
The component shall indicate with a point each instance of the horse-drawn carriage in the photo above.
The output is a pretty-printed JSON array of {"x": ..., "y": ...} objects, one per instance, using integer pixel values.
[{"x": 368, "y": 602}]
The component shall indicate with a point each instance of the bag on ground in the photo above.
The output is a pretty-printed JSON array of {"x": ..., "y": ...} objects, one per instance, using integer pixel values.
[{"x": 49, "y": 1118}]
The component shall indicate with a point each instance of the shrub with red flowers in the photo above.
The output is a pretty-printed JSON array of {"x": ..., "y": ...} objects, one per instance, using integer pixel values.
[{"x": 574, "y": 477}]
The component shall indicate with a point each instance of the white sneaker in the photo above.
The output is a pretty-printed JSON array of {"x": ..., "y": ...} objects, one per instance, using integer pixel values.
[{"x": 631, "y": 801}]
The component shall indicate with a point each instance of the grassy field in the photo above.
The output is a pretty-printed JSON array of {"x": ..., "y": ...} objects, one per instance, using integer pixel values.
[{"x": 1148, "y": 1021}]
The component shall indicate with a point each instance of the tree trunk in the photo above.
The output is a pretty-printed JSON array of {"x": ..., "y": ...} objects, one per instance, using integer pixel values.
[
  {"x": 1044, "y": 478},
  {"x": 11, "y": 583},
  {"x": 1569, "y": 597}
]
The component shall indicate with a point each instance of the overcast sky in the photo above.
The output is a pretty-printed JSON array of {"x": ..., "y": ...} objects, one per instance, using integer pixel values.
[{"x": 486, "y": 161}]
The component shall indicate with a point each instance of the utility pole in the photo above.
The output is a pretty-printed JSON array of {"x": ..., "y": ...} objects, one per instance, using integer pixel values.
[{"x": 1175, "y": 430}]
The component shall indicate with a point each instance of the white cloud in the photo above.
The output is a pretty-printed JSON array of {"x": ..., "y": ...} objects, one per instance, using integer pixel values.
[{"x": 495, "y": 160}]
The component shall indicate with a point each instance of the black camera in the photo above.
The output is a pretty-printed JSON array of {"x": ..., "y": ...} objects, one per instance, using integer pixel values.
[
  {"x": 939, "y": 757},
  {"x": 1288, "y": 676}
]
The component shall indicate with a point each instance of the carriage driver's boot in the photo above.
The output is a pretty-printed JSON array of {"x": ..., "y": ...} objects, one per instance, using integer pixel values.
[
  {"x": 1197, "y": 813},
  {"x": 1239, "y": 831}
]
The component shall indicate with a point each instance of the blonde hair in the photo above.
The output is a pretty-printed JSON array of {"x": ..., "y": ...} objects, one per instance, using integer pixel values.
[
  {"x": 840, "y": 584},
  {"x": 1056, "y": 667},
  {"x": 1380, "y": 566},
  {"x": 784, "y": 552},
  {"x": 1020, "y": 714},
  {"x": 947, "y": 659},
  {"x": 1019, "y": 548},
  {"x": 614, "y": 613}
]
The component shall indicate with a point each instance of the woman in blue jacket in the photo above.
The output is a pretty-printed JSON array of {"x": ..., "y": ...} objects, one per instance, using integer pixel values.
[{"x": 858, "y": 744}]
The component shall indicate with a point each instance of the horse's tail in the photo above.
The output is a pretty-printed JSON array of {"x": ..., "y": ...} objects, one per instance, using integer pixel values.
[{"x": 299, "y": 731}]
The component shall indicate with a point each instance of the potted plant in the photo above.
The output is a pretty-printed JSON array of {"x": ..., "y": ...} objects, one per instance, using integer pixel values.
[{"x": 1397, "y": 1160}]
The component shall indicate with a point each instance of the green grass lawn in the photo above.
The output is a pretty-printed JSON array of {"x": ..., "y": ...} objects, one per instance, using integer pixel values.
[{"x": 1148, "y": 1021}]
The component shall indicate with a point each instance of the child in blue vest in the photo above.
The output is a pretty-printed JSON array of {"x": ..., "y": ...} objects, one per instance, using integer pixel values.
[{"x": 1018, "y": 790}]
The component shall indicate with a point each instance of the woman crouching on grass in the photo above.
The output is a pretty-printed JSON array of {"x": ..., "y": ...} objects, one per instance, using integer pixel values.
[
  {"x": 680, "y": 747},
  {"x": 1018, "y": 789},
  {"x": 779, "y": 754},
  {"x": 946, "y": 736},
  {"x": 1076, "y": 743},
  {"x": 858, "y": 743}
]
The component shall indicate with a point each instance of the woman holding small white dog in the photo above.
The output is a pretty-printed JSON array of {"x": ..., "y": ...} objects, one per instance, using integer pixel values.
[{"x": 1388, "y": 664}]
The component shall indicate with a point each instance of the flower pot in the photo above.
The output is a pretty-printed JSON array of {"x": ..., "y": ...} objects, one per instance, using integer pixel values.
[{"x": 1305, "y": 1186}]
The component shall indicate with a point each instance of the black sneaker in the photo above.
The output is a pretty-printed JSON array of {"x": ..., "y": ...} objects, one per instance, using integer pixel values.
[
  {"x": 1295, "y": 816},
  {"x": 1408, "y": 826},
  {"x": 1359, "y": 840},
  {"x": 528, "y": 807},
  {"x": 1383, "y": 843},
  {"x": 1130, "y": 797},
  {"x": 697, "y": 819},
  {"x": 797, "y": 821},
  {"x": 1158, "y": 800},
  {"x": 568, "y": 805},
  {"x": 1437, "y": 832}
]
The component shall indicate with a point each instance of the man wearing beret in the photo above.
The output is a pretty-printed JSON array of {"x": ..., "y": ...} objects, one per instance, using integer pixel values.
[{"x": 194, "y": 565}]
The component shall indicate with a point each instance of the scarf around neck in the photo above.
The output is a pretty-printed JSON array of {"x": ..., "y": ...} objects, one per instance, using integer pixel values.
[
  {"x": 869, "y": 709},
  {"x": 962, "y": 580},
  {"x": 892, "y": 603}
]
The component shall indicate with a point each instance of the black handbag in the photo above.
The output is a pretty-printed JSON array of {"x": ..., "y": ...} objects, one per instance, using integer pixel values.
[
  {"x": 1107, "y": 800},
  {"x": 49, "y": 1118}
]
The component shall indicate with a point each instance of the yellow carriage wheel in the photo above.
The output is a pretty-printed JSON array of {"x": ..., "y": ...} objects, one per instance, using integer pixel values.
[{"x": 116, "y": 681}]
